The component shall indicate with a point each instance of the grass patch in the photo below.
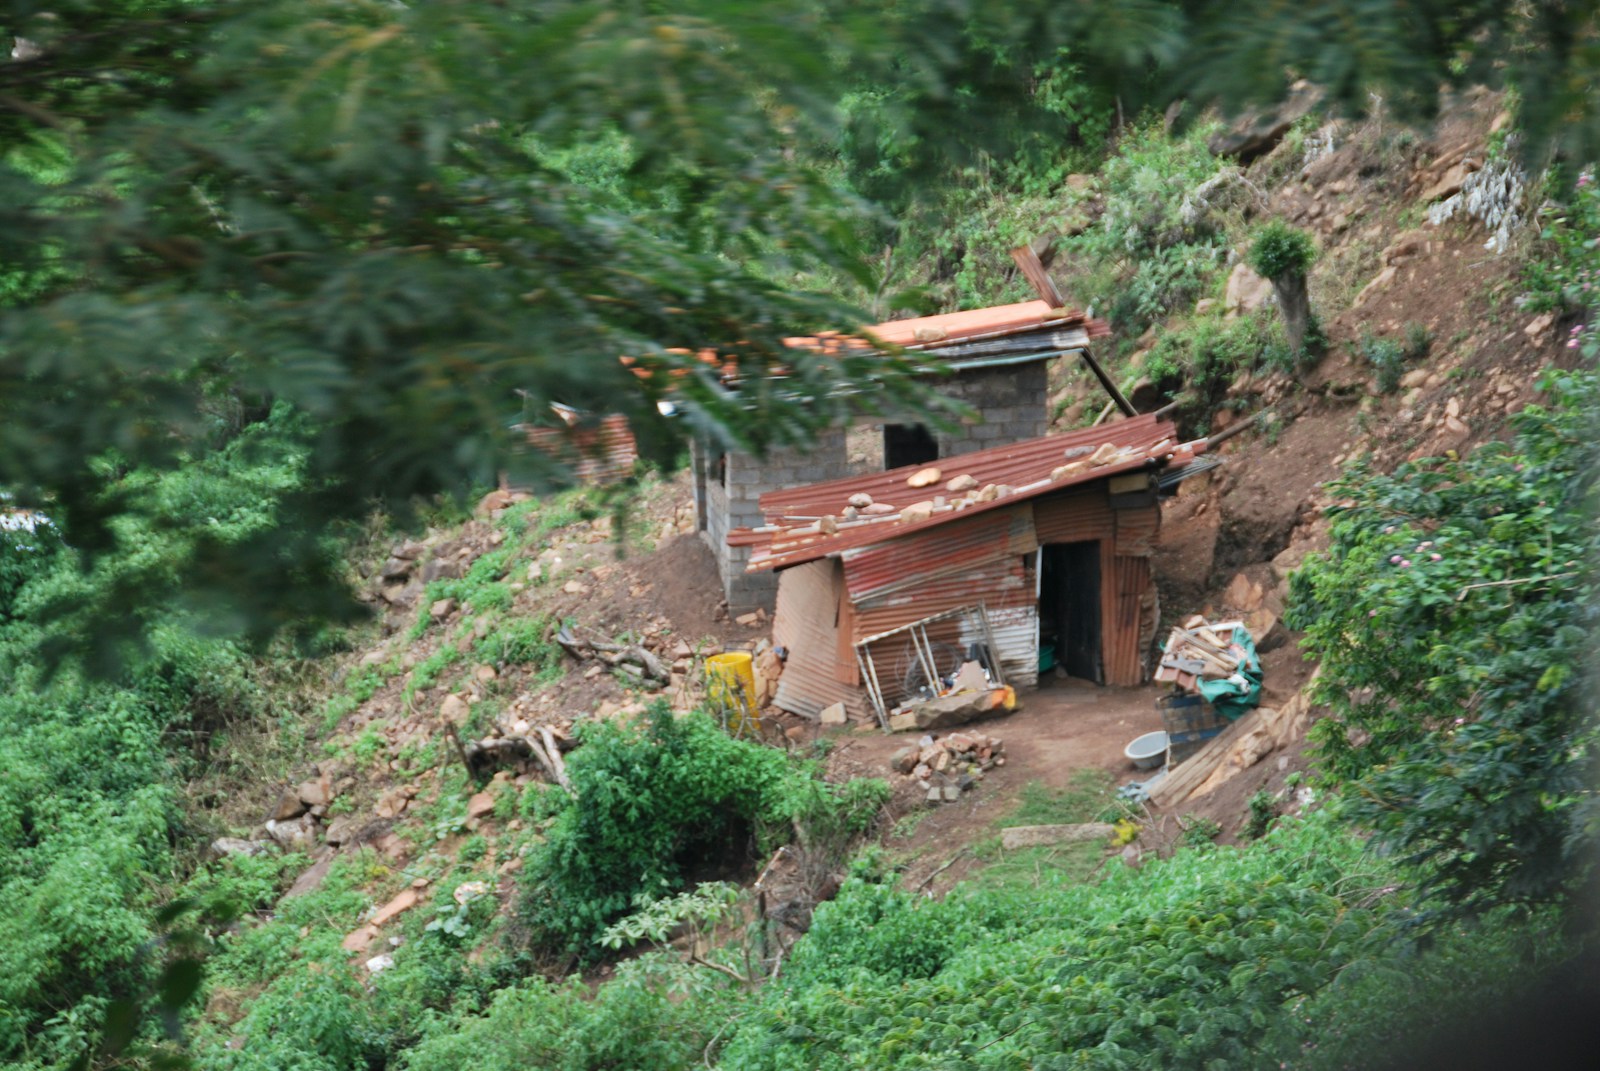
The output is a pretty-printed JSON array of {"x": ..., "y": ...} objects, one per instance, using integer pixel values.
[{"x": 1086, "y": 798}]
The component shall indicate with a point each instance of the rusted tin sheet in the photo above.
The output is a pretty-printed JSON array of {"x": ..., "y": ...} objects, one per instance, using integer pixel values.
[
  {"x": 597, "y": 453},
  {"x": 1073, "y": 518},
  {"x": 881, "y": 568},
  {"x": 1129, "y": 577},
  {"x": 805, "y": 623},
  {"x": 997, "y": 583},
  {"x": 1137, "y": 530},
  {"x": 1025, "y": 470}
]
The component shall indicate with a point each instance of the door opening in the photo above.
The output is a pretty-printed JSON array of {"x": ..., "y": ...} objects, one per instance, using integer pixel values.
[
  {"x": 908, "y": 444},
  {"x": 1069, "y": 607}
]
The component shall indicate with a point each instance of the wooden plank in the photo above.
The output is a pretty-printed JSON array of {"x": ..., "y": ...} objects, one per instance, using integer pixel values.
[
  {"x": 1188, "y": 776},
  {"x": 1032, "y": 268},
  {"x": 1034, "y": 836}
]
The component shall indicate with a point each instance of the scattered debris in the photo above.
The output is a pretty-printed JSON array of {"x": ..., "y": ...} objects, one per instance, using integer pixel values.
[
  {"x": 946, "y": 766},
  {"x": 628, "y": 658},
  {"x": 1216, "y": 661}
]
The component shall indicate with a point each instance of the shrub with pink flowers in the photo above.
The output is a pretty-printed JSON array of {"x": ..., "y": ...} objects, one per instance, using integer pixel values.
[
  {"x": 1453, "y": 616},
  {"x": 1569, "y": 278}
]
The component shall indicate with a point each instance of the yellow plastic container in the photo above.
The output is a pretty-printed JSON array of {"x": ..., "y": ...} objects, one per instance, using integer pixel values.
[{"x": 731, "y": 689}]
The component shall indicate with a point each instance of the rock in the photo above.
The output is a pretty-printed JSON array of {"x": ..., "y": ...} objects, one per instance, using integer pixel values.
[
  {"x": 1379, "y": 281},
  {"x": 408, "y": 551},
  {"x": 1539, "y": 326},
  {"x": 480, "y": 805},
  {"x": 290, "y": 805},
  {"x": 923, "y": 478},
  {"x": 833, "y": 714},
  {"x": 878, "y": 509},
  {"x": 902, "y": 721},
  {"x": 828, "y": 525},
  {"x": 380, "y": 963},
  {"x": 860, "y": 500},
  {"x": 952, "y": 793},
  {"x": 1034, "y": 836},
  {"x": 904, "y": 760},
  {"x": 454, "y": 710},
  {"x": 405, "y": 900},
  {"x": 442, "y": 569},
  {"x": 958, "y": 484},
  {"x": 441, "y": 609},
  {"x": 310, "y": 878},
  {"x": 1414, "y": 378},
  {"x": 960, "y": 709},
  {"x": 1246, "y": 291},
  {"x": 493, "y": 501},
  {"x": 358, "y": 941},
  {"x": 935, "y": 794},
  {"x": 293, "y": 833},
  {"x": 1449, "y": 183},
  {"x": 341, "y": 830},
  {"x": 1071, "y": 468},
  {"x": 395, "y": 569},
  {"x": 917, "y": 511},
  {"x": 1204, "y": 305},
  {"x": 317, "y": 793},
  {"x": 575, "y": 587},
  {"x": 749, "y": 620},
  {"x": 1243, "y": 594},
  {"x": 391, "y": 804},
  {"x": 1257, "y": 132},
  {"x": 223, "y": 846}
]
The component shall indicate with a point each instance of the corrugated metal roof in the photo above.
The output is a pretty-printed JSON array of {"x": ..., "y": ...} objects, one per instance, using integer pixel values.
[
  {"x": 792, "y": 534},
  {"x": 883, "y": 567}
]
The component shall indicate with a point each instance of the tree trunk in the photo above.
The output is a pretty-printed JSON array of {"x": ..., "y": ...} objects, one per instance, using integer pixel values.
[{"x": 1295, "y": 304}]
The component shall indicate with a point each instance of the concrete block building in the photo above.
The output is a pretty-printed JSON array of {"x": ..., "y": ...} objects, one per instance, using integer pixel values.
[{"x": 996, "y": 362}]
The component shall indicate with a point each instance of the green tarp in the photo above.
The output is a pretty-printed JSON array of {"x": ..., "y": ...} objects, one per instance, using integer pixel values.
[{"x": 1232, "y": 696}]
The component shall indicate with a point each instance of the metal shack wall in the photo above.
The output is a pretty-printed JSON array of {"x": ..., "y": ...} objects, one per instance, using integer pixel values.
[
  {"x": 1128, "y": 609},
  {"x": 808, "y": 623},
  {"x": 987, "y": 558}
]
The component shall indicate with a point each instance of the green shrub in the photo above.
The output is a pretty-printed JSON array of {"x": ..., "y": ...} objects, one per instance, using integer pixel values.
[
  {"x": 1281, "y": 251},
  {"x": 652, "y": 802},
  {"x": 1451, "y": 618}
]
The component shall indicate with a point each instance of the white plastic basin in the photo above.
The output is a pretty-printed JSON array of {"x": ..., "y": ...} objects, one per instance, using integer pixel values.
[{"x": 1147, "y": 751}]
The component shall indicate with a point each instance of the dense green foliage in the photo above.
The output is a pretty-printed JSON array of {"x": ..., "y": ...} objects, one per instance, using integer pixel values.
[
  {"x": 1452, "y": 617},
  {"x": 650, "y": 805},
  {"x": 1281, "y": 250},
  {"x": 90, "y": 832}
]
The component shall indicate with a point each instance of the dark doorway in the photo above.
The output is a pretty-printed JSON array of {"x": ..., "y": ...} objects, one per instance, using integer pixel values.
[
  {"x": 908, "y": 444},
  {"x": 1069, "y": 607}
]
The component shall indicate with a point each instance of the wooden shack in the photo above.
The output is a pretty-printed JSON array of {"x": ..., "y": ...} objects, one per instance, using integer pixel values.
[{"x": 1029, "y": 552}]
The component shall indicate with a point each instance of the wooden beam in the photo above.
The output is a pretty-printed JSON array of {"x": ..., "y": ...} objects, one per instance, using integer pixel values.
[
  {"x": 1032, "y": 268},
  {"x": 1122, "y": 402}
]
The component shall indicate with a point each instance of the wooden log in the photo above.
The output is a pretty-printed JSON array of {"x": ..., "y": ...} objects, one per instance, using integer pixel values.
[
  {"x": 553, "y": 753},
  {"x": 1034, "y": 836}
]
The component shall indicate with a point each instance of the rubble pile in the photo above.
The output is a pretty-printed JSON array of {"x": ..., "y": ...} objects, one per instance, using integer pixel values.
[{"x": 944, "y": 767}]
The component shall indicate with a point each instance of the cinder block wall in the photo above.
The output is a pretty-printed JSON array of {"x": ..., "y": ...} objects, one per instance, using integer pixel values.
[
  {"x": 1013, "y": 401},
  {"x": 734, "y": 503}
]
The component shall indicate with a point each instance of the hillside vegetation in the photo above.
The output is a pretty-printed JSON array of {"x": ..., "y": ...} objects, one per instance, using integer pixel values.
[{"x": 240, "y": 830}]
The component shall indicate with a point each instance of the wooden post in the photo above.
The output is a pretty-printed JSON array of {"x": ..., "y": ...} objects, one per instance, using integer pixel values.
[{"x": 1032, "y": 268}]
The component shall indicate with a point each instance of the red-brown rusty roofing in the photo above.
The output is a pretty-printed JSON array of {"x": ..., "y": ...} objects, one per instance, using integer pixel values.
[
  {"x": 926, "y": 334},
  {"x": 792, "y": 533}
]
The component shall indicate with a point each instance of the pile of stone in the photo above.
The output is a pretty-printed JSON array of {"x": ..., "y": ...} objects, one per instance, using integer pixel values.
[{"x": 944, "y": 767}]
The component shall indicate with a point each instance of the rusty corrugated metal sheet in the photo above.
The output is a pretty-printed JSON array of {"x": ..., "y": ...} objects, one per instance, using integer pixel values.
[
  {"x": 601, "y": 452},
  {"x": 806, "y": 623},
  {"x": 1127, "y": 580},
  {"x": 1074, "y": 518},
  {"x": 791, "y": 535},
  {"x": 997, "y": 583},
  {"x": 956, "y": 547},
  {"x": 1137, "y": 529}
]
